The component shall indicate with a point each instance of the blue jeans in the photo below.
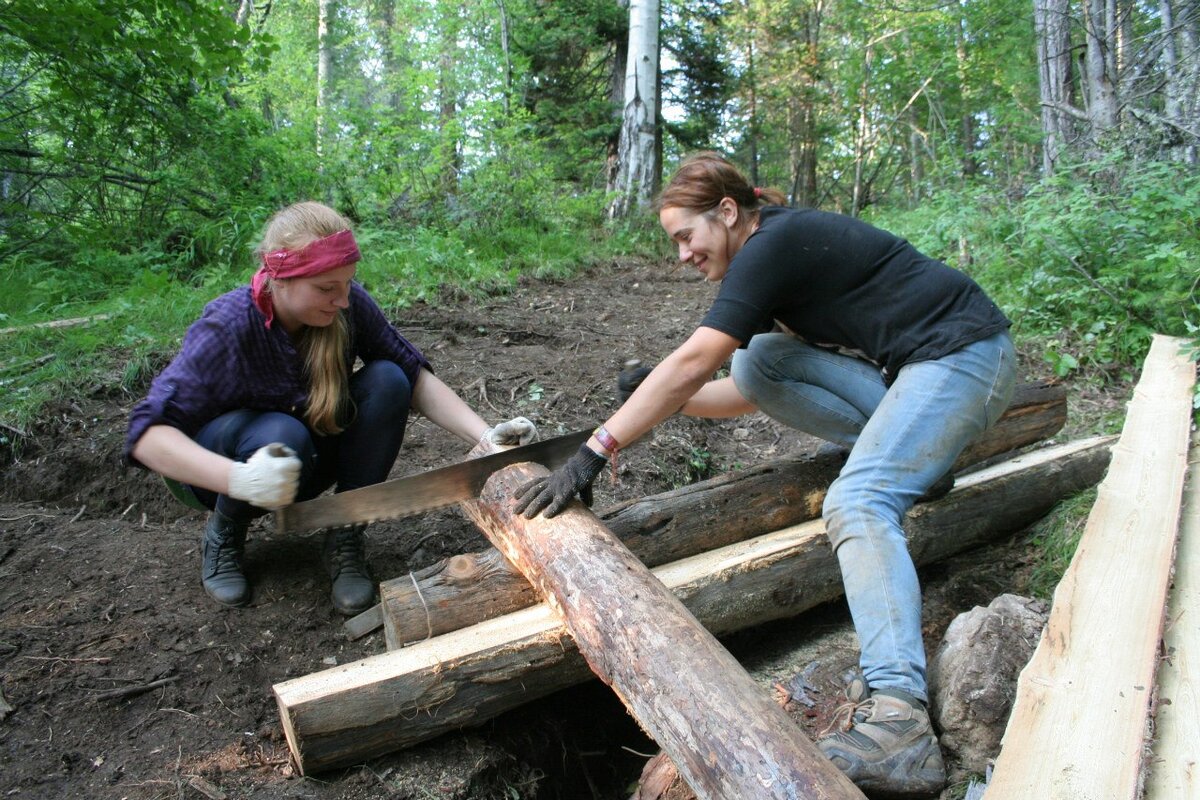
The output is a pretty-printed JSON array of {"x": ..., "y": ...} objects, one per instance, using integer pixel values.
[
  {"x": 361, "y": 455},
  {"x": 901, "y": 438}
]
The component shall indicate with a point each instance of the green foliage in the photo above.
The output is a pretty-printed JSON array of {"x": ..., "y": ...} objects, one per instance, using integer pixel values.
[
  {"x": 1055, "y": 538},
  {"x": 1090, "y": 263}
]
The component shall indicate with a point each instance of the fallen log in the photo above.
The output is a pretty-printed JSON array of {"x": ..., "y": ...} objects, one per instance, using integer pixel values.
[
  {"x": 687, "y": 692},
  {"x": 471, "y": 587},
  {"x": 387, "y": 702}
]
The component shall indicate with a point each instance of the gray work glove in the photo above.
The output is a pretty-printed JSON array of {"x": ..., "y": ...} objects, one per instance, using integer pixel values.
[
  {"x": 628, "y": 380},
  {"x": 552, "y": 492},
  {"x": 268, "y": 479},
  {"x": 517, "y": 431}
]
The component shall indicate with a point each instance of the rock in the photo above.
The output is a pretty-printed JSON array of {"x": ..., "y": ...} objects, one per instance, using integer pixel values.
[{"x": 973, "y": 677}]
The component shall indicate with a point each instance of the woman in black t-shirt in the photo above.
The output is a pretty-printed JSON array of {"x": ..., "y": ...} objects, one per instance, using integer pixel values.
[{"x": 851, "y": 334}]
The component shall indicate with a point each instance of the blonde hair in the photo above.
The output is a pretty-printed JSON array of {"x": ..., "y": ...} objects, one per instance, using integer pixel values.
[
  {"x": 704, "y": 179},
  {"x": 329, "y": 406}
]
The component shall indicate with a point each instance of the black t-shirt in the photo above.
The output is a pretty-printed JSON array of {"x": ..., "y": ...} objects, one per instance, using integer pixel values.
[{"x": 840, "y": 282}]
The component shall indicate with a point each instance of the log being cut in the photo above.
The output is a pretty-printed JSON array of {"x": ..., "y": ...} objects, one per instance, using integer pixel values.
[
  {"x": 726, "y": 737},
  {"x": 471, "y": 587},
  {"x": 384, "y": 703}
]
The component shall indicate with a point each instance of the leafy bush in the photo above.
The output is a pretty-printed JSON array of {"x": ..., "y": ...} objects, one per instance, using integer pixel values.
[{"x": 1091, "y": 262}]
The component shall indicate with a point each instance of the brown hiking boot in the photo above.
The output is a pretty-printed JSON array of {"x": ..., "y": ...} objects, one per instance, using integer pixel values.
[{"x": 886, "y": 746}]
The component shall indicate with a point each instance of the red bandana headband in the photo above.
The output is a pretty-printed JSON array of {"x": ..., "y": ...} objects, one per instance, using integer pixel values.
[{"x": 314, "y": 258}]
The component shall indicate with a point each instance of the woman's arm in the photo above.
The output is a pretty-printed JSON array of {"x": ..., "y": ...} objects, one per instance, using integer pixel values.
[
  {"x": 170, "y": 452},
  {"x": 718, "y": 399},
  {"x": 441, "y": 406},
  {"x": 678, "y": 382}
]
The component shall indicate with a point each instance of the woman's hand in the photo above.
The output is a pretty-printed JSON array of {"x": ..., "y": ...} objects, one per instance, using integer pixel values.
[
  {"x": 269, "y": 478},
  {"x": 517, "y": 431},
  {"x": 555, "y": 490}
]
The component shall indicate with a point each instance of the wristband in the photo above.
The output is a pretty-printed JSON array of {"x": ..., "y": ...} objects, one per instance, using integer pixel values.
[{"x": 606, "y": 439}]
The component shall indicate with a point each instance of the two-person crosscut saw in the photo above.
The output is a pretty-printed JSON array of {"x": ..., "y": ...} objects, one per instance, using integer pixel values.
[{"x": 425, "y": 491}]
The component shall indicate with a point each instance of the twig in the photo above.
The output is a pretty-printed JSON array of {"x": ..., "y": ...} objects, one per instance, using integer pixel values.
[
  {"x": 205, "y": 788},
  {"x": 58, "y": 323},
  {"x": 78, "y": 513},
  {"x": 128, "y": 691}
]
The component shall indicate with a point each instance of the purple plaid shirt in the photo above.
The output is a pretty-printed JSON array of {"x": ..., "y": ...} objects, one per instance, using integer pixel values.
[{"x": 230, "y": 360}]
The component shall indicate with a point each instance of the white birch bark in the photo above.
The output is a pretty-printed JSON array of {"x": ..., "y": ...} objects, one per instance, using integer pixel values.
[
  {"x": 638, "y": 165},
  {"x": 324, "y": 68}
]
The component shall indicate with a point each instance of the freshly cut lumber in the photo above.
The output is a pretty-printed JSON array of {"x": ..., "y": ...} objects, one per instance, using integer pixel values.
[
  {"x": 471, "y": 587},
  {"x": 1080, "y": 718},
  {"x": 687, "y": 692},
  {"x": 1174, "y": 769},
  {"x": 390, "y": 701}
]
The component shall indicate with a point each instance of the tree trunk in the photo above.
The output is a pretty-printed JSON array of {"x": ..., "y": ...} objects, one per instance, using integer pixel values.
[
  {"x": 726, "y": 737},
  {"x": 324, "y": 69},
  {"x": 469, "y": 588},
  {"x": 637, "y": 169},
  {"x": 1053, "y": 31},
  {"x": 394, "y": 700},
  {"x": 1100, "y": 82}
]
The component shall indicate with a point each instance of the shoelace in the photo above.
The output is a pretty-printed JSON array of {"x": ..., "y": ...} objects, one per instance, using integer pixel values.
[
  {"x": 227, "y": 558},
  {"x": 845, "y": 715},
  {"x": 348, "y": 555}
]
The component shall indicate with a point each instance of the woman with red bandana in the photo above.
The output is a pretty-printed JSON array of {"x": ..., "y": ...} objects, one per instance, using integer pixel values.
[{"x": 262, "y": 405}]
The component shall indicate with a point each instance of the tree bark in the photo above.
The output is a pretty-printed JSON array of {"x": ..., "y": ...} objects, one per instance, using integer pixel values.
[
  {"x": 469, "y": 588},
  {"x": 724, "y": 735},
  {"x": 1052, "y": 28},
  {"x": 387, "y": 702},
  {"x": 324, "y": 68},
  {"x": 637, "y": 168}
]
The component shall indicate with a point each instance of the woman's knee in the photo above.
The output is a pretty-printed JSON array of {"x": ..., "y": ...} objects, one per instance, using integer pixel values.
[
  {"x": 750, "y": 367},
  {"x": 381, "y": 387}
]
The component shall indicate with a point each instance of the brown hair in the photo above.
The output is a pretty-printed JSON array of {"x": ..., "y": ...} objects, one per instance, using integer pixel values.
[
  {"x": 324, "y": 349},
  {"x": 706, "y": 178}
]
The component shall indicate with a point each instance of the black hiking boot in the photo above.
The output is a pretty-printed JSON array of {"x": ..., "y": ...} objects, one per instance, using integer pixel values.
[
  {"x": 345, "y": 559},
  {"x": 886, "y": 746},
  {"x": 221, "y": 571}
]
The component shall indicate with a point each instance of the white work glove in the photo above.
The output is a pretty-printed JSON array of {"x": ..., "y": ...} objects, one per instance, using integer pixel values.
[
  {"x": 516, "y": 431},
  {"x": 269, "y": 479}
]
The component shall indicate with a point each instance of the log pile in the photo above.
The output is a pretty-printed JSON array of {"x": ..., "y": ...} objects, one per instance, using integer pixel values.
[
  {"x": 604, "y": 613},
  {"x": 472, "y": 587}
]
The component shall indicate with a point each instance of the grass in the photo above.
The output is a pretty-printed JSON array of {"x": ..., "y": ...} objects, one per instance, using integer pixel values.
[
  {"x": 148, "y": 299},
  {"x": 1055, "y": 538}
]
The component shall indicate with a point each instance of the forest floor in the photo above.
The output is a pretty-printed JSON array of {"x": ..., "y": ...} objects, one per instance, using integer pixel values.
[{"x": 120, "y": 679}]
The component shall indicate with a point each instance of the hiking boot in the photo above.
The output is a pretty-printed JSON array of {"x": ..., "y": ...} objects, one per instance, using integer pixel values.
[
  {"x": 941, "y": 487},
  {"x": 345, "y": 559},
  {"x": 886, "y": 746},
  {"x": 221, "y": 569}
]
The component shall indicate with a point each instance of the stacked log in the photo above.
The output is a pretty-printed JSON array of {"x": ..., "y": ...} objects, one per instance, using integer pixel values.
[
  {"x": 399, "y": 698},
  {"x": 472, "y": 587}
]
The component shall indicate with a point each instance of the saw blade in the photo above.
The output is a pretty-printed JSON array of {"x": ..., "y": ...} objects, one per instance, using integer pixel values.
[{"x": 425, "y": 491}]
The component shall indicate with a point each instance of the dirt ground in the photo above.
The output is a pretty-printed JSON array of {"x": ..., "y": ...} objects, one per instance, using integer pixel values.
[{"x": 120, "y": 679}]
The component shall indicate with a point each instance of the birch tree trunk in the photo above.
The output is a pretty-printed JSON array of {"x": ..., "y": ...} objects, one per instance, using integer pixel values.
[
  {"x": 324, "y": 68},
  {"x": 638, "y": 168},
  {"x": 1053, "y": 32}
]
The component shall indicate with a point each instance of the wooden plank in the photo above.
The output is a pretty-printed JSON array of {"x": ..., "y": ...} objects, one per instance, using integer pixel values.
[
  {"x": 1079, "y": 722},
  {"x": 1174, "y": 768},
  {"x": 394, "y": 700},
  {"x": 471, "y": 587},
  {"x": 725, "y": 735}
]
